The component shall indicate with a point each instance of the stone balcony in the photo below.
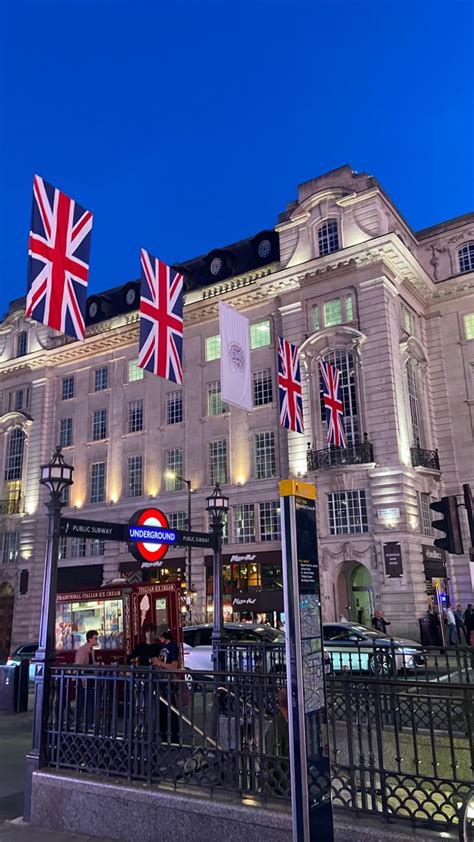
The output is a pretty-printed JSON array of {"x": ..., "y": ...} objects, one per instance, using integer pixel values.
[
  {"x": 421, "y": 458},
  {"x": 361, "y": 453}
]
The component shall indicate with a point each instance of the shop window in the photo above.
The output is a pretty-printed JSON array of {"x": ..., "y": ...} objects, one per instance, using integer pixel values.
[{"x": 74, "y": 619}]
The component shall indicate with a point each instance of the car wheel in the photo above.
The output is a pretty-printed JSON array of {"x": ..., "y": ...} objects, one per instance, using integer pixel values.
[{"x": 381, "y": 664}]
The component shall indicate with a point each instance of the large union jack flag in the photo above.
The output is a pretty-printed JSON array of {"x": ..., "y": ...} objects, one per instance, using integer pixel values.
[
  {"x": 161, "y": 319},
  {"x": 289, "y": 386},
  {"x": 331, "y": 382},
  {"x": 58, "y": 261}
]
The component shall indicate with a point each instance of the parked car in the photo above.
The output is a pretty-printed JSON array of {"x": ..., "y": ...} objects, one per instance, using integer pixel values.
[
  {"x": 25, "y": 652},
  {"x": 350, "y": 647}
]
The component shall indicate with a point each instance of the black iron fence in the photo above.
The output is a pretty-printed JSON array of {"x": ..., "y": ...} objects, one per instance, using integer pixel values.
[
  {"x": 422, "y": 458},
  {"x": 400, "y": 746},
  {"x": 360, "y": 453}
]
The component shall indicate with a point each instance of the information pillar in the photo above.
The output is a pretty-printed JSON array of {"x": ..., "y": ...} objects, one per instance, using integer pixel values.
[{"x": 307, "y": 716}]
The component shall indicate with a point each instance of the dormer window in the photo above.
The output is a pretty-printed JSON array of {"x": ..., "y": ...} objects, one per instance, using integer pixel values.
[
  {"x": 466, "y": 258},
  {"x": 21, "y": 344},
  {"x": 328, "y": 237}
]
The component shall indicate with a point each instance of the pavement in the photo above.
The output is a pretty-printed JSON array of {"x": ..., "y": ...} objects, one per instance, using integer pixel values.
[{"x": 15, "y": 742}]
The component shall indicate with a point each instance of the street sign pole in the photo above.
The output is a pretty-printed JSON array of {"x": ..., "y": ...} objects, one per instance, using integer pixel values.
[{"x": 311, "y": 805}]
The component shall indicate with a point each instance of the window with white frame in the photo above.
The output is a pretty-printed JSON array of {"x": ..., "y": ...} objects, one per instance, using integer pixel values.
[
  {"x": 19, "y": 399},
  {"x": 67, "y": 388},
  {"x": 347, "y": 512},
  {"x": 62, "y": 552},
  {"x": 134, "y": 476},
  {"x": 260, "y": 335},
  {"x": 97, "y": 494},
  {"x": 345, "y": 362},
  {"x": 65, "y": 432},
  {"x": 408, "y": 320},
  {"x": 9, "y": 544},
  {"x": 22, "y": 344},
  {"x": 99, "y": 424},
  {"x": 243, "y": 519},
  {"x": 349, "y": 308},
  {"x": 174, "y": 407},
  {"x": 213, "y": 348},
  {"x": 101, "y": 379},
  {"x": 265, "y": 460},
  {"x": 78, "y": 548},
  {"x": 332, "y": 312},
  {"x": 14, "y": 458},
  {"x": 97, "y": 547},
  {"x": 468, "y": 319},
  {"x": 414, "y": 403},
  {"x": 262, "y": 387},
  {"x": 328, "y": 237},
  {"x": 225, "y": 526},
  {"x": 177, "y": 520},
  {"x": 174, "y": 469},
  {"x": 215, "y": 404},
  {"x": 269, "y": 513},
  {"x": 218, "y": 462},
  {"x": 426, "y": 515},
  {"x": 134, "y": 371},
  {"x": 466, "y": 258},
  {"x": 135, "y": 416}
]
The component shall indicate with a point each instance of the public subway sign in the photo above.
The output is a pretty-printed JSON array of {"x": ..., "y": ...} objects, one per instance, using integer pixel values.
[{"x": 105, "y": 531}]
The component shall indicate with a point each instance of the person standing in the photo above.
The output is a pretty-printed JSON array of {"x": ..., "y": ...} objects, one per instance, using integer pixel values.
[
  {"x": 451, "y": 623},
  {"x": 460, "y": 628},
  {"x": 144, "y": 652},
  {"x": 85, "y": 657},
  {"x": 379, "y": 622},
  {"x": 469, "y": 623},
  {"x": 168, "y": 662}
]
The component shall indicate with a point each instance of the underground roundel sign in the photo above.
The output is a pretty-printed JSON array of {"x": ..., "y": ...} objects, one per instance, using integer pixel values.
[{"x": 151, "y": 552}]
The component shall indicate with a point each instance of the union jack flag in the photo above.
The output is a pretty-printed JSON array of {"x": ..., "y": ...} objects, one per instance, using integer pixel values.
[
  {"x": 161, "y": 319},
  {"x": 289, "y": 387},
  {"x": 58, "y": 260},
  {"x": 331, "y": 382}
]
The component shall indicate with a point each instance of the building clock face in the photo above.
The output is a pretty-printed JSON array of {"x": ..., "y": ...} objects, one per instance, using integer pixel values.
[
  {"x": 93, "y": 309},
  {"x": 130, "y": 296},
  {"x": 264, "y": 248},
  {"x": 216, "y": 265}
]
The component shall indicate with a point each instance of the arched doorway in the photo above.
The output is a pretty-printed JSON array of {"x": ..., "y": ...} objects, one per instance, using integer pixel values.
[
  {"x": 355, "y": 592},
  {"x": 6, "y": 619}
]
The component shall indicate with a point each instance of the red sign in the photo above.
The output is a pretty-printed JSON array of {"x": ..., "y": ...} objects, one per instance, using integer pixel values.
[{"x": 153, "y": 553}]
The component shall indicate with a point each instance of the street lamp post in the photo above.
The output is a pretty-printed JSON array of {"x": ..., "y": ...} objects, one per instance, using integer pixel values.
[
  {"x": 56, "y": 476},
  {"x": 189, "y": 581},
  {"x": 217, "y": 504}
]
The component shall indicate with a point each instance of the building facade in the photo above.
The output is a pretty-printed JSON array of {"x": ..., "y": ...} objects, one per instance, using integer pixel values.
[{"x": 343, "y": 276}]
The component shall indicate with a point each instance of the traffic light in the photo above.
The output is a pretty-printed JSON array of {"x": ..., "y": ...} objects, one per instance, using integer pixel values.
[{"x": 449, "y": 524}]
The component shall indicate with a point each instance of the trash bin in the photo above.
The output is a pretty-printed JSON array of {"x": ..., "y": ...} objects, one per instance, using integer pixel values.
[
  {"x": 425, "y": 631},
  {"x": 23, "y": 686},
  {"x": 9, "y": 679}
]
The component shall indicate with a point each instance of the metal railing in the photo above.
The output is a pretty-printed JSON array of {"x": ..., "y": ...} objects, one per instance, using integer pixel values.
[
  {"x": 334, "y": 457},
  {"x": 11, "y": 507},
  {"x": 421, "y": 458}
]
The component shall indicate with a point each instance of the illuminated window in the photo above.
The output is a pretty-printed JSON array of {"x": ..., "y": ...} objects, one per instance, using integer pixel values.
[
  {"x": 349, "y": 308},
  {"x": 328, "y": 237},
  {"x": 215, "y": 404},
  {"x": 466, "y": 258},
  {"x": 62, "y": 546},
  {"x": 243, "y": 518},
  {"x": 332, "y": 312},
  {"x": 315, "y": 315},
  {"x": 213, "y": 348},
  {"x": 265, "y": 460},
  {"x": 134, "y": 371},
  {"x": 469, "y": 325},
  {"x": 262, "y": 387},
  {"x": 174, "y": 469},
  {"x": 347, "y": 512},
  {"x": 269, "y": 521},
  {"x": 174, "y": 407},
  {"x": 260, "y": 335},
  {"x": 9, "y": 543},
  {"x": 135, "y": 416},
  {"x": 218, "y": 462},
  {"x": 14, "y": 459}
]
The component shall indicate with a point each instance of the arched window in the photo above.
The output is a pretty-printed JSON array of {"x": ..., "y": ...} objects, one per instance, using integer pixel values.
[
  {"x": 14, "y": 458},
  {"x": 21, "y": 343},
  {"x": 328, "y": 237},
  {"x": 466, "y": 258},
  {"x": 414, "y": 403},
  {"x": 346, "y": 363}
]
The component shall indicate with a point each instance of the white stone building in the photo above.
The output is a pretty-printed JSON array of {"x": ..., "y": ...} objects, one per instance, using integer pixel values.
[{"x": 343, "y": 276}]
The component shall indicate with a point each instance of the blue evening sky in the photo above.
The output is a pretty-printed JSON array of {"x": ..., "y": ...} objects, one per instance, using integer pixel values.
[{"x": 185, "y": 126}]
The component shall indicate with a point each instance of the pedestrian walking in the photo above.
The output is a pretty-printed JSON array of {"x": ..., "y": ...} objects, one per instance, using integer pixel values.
[
  {"x": 460, "y": 628},
  {"x": 469, "y": 624},
  {"x": 451, "y": 623},
  {"x": 85, "y": 657},
  {"x": 379, "y": 622}
]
